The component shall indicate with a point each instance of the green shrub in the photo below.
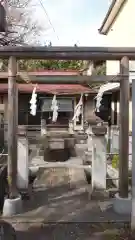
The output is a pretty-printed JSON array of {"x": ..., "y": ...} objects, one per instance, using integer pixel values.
[
  {"x": 108, "y": 147},
  {"x": 115, "y": 161}
]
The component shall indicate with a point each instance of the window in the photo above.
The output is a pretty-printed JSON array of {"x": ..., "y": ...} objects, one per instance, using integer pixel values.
[
  {"x": 65, "y": 111},
  {"x": 64, "y": 104}
]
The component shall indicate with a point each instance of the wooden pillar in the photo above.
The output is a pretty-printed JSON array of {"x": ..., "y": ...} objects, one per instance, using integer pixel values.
[
  {"x": 118, "y": 108},
  {"x": 124, "y": 128},
  {"x": 109, "y": 138},
  {"x": 133, "y": 157},
  {"x": 115, "y": 108},
  {"x": 12, "y": 126}
]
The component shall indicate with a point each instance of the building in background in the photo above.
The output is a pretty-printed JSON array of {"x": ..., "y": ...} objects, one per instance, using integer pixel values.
[
  {"x": 68, "y": 96},
  {"x": 118, "y": 26}
]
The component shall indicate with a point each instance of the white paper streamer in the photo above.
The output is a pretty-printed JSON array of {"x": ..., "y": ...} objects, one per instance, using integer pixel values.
[
  {"x": 54, "y": 108},
  {"x": 33, "y": 101},
  {"x": 78, "y": 109},
  {"x": 104, "y": 88}
]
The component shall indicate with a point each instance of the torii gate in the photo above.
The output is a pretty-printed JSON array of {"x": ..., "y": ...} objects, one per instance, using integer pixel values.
[{"x": 74, "y": 53}]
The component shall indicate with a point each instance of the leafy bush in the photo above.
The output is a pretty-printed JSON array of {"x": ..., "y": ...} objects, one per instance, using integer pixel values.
[
  {"x": 115, "y": 161},
  {"x": 108, "y": 147}
]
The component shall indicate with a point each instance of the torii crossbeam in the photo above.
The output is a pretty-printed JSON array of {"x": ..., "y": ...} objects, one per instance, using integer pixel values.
[{"x": 67, "y": 53}]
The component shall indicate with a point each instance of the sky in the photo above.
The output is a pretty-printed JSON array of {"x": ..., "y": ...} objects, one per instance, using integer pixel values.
[{"x": 72, "y": 21}]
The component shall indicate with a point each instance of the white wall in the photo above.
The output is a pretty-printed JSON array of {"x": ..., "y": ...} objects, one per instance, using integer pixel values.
[
  {"x": 123, "y": 27},
  {"x": 122, "y": 34}
]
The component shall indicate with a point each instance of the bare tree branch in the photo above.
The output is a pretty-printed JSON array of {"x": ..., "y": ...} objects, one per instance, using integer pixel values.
[{"x": 22, "y": 28}]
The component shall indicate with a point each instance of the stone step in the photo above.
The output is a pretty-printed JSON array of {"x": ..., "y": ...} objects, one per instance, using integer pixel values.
[
  {"x": 80, "y": 149},
  {"x": 37, "y": 160}
]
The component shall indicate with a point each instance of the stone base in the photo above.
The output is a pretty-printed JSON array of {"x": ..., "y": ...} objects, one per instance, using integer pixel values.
[
  {"x": 99, "y": 194},
  {"x": 122, "y": 205},
  {"x": 12, "y": 207}
]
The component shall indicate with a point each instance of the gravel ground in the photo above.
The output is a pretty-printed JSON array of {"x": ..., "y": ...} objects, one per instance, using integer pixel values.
[{"x": 66, "y": 231}]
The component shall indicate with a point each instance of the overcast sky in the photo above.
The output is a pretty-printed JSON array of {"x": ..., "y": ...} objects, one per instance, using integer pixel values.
[{"x": 74, "y": 21}]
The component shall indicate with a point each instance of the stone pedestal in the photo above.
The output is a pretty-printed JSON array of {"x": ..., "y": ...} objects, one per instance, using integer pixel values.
[
  {"x": 89, "y": 138},
  {"x": 43, "y": 127},
  {"x": 87, "y": 161},
  {"x": 71, "y": 127},
  {"x": 23, "y": 163},
  {"x": 87, "y": 156},
  {"x": 99, "y": 158}
]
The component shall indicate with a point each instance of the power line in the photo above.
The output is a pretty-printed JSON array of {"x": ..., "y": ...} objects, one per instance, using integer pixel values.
[{"x": 46, "y": 13}]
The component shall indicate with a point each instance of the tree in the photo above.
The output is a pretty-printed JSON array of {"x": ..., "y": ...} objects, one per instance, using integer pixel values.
[
  {"x": 41, "y": 65},
  {"x": 100, "y": 69},
  {"x": 32, "y": 65},
  {"x": 21, "y": 27}
]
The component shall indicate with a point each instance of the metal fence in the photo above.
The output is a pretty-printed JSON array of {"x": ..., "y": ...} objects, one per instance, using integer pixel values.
[{"x": 115, "y": 144}]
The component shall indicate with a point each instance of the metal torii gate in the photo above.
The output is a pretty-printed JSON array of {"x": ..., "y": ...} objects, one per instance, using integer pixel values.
[{"x": 66, "y": 53}]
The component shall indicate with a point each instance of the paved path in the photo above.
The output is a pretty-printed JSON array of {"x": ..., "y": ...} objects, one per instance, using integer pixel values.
[{"x": 62, "y": 200}]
